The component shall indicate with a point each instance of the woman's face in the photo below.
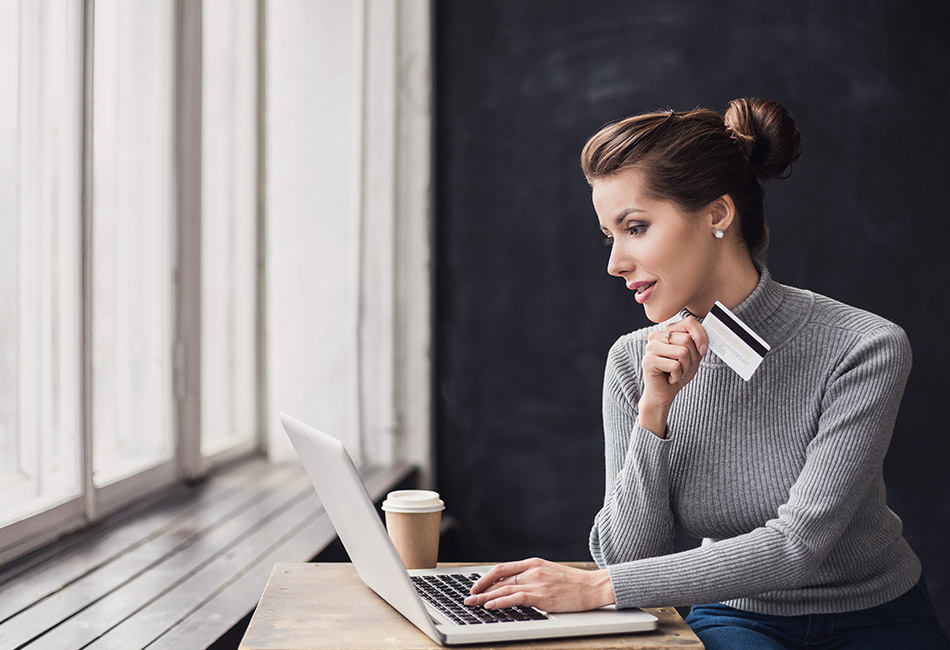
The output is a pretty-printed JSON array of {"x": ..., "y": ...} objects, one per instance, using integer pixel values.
[{"x": 663, "y": 255}]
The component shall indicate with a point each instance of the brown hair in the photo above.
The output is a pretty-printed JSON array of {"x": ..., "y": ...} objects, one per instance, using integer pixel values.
[{"x": 694, "y": 157}]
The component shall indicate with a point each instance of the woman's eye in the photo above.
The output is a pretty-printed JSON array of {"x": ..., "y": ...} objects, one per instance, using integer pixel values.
[
  {"x": 637, "y": 230},
  {"x": 608, "y": 241}
]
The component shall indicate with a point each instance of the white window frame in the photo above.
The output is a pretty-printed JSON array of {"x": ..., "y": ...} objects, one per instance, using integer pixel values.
[
  {"x": 395, "y": 347},
  {"x": 387, "y": 372},
  {"x": 94, "y": 502},
  {"x": 109, "y": 497},
  {"x": 393, "y": 339},
  {"x": 188, "y": 271}
]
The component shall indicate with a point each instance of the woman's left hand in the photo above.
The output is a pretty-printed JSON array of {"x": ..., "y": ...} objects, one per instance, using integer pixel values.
[{"x": 546, "y": 585}]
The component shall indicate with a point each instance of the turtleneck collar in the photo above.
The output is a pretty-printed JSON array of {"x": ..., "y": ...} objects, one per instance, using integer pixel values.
[{"x": 774, "y": 311}]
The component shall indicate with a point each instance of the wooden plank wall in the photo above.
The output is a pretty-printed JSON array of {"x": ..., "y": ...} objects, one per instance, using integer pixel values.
[{"x": 184, "y": 571}]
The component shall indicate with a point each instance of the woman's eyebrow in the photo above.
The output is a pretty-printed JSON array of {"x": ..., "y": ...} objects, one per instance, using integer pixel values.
[{"x": 623, "y": 215}]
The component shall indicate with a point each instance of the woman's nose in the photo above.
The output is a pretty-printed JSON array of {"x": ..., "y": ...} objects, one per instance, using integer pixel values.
[{"x": 617, "y": 264}]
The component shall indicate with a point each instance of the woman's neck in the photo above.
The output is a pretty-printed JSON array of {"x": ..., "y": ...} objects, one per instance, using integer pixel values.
[{"x": 734, "y": 281}]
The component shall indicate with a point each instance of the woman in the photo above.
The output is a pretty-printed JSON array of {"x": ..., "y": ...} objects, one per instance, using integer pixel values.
[{"x": 780, "y": 475}]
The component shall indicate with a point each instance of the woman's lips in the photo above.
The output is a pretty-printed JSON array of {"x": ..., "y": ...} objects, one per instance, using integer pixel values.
[{"x": 643, "y": 291}]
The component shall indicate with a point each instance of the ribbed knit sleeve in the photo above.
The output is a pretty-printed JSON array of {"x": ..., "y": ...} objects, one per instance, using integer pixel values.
[
  {"x": 635, "y": 521},
  {"x": 859, "y": 406}
]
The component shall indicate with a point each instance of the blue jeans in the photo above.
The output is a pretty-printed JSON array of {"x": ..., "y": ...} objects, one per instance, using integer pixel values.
[{"x": 908, "y": 621}]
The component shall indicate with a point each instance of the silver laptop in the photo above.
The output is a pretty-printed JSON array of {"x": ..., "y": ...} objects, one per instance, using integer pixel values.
[{"x": 413, "y": 593}]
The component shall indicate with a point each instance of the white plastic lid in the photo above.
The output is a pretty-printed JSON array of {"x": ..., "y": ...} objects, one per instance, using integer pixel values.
[{"x": 413, "y": 501}]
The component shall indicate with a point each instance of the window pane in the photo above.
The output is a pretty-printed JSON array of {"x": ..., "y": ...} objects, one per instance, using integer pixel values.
[
  {"x": 132, "y": 224},
  {"x": 39, "y": 264},
  {"x": 228, "y": 225}
]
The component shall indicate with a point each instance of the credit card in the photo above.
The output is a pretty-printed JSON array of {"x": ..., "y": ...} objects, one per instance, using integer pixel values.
[{"x": 733, "y": 341}]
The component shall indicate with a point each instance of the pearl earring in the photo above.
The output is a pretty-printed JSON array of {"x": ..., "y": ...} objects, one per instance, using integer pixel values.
[{"x": 719, "y": 233}]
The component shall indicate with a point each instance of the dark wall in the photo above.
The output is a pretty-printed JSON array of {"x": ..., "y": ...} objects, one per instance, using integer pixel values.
[{"x": 525, "y": 310}]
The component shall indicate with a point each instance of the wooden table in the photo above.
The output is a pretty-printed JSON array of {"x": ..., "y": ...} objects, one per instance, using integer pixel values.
[{"x": 311, "y": 606}]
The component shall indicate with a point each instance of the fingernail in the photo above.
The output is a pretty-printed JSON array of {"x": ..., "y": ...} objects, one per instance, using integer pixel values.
[
  {"x": 703, "y": 348},
  {"x": 489, "y": 604},
  {"x": 469, "y": 601}
]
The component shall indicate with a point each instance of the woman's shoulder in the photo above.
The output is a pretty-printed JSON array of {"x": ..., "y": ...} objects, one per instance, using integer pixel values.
[
  {"x": 832, "y": 314},
  {"x": 631, "y": 344},
  {"x": 623, "y": 369},
  {"x": 852, "y": 335}
]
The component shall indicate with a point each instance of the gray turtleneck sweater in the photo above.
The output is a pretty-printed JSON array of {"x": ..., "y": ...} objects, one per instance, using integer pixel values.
[{"x": 781, "y": 476}]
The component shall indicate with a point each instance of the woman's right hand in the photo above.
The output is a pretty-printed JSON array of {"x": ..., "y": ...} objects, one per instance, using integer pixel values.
[{"x": 671, "y": 359}]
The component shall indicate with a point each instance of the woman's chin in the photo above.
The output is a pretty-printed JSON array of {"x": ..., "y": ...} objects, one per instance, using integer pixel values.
[{"x": 658, "y": 314}]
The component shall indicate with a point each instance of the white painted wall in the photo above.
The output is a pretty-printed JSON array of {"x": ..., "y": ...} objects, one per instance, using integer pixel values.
[{"x": 349, "y": 213}]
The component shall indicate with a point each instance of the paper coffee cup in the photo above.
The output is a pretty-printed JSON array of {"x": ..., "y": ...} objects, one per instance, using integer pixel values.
[{"x": 412, "y": 520}]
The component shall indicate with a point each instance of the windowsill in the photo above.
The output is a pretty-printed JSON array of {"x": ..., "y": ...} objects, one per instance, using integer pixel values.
[{"x": 184, "y": 569}]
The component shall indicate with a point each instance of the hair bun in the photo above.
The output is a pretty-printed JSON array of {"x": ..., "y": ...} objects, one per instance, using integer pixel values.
[{"x": 766, "y": 133}]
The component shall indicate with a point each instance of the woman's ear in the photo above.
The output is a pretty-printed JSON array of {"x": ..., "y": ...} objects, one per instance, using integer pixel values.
[{"x": 722, "y": 213}]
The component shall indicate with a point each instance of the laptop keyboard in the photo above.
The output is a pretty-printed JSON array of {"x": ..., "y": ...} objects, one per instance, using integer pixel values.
[{"x": 446, "y": 592}]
